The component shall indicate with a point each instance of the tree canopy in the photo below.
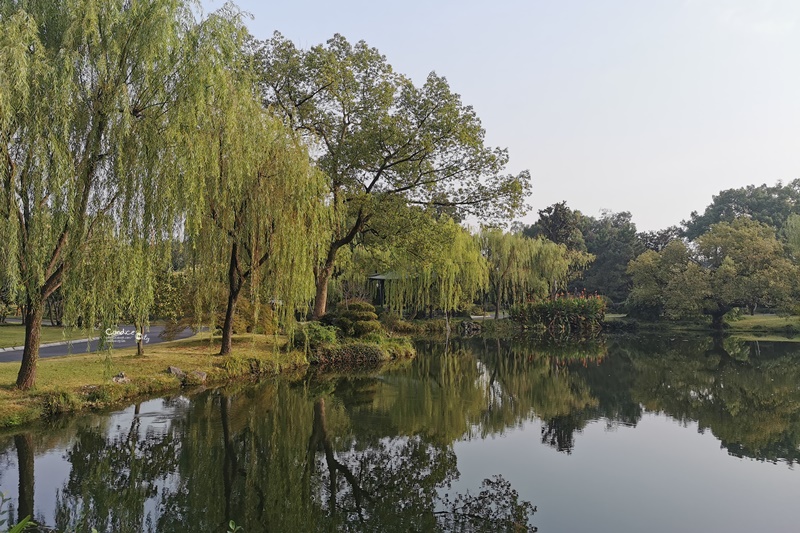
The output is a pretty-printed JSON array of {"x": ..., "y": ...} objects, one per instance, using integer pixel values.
[
  {"x": 737, "y": 264},
  {"x": 769, "y": 205},
  {"x": 377, "y": 136},
  {"x": 97, "y": 105}
]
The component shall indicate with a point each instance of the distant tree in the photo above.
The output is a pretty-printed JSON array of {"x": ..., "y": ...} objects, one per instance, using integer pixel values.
[
  {"x": 520, "y": 267},
  {"x": 613, "y": 240},
  {"x": 667, "y": 283},
  {"x": 559, "y": 224},
  {"x": 437, "y": 266},
  {"x": 791, "y": 235},
  {"x": 739, "y": 264},
  {"x": 770, "y": 205},
  {"x": 658, "y": 240}
]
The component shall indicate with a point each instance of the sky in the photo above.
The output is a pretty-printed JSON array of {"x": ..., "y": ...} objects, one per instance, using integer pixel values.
[{"x": 647, "y": 106}]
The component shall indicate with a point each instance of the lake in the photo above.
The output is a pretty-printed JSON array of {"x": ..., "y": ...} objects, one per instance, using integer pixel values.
[{"x": 621, "y": 434}]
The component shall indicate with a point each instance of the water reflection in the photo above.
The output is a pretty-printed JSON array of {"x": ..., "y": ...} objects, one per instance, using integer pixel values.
[{"x": 376, "y": 451}]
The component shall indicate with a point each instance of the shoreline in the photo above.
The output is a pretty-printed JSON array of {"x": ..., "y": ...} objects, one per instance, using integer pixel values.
[{"x": 102, "y": 380}]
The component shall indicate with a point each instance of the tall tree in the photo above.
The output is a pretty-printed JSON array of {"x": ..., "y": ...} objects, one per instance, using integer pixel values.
[
  {"x": 612, "y": 240},
  {"x": 261, "y": 194},
  {"x": 96, "y": 114},
  {"x": 658, "y": 240},
  {"x": 559, "y": 224},
  {"x": 738, "y": 264},
  {"x": 770, "y": 205},
  {"x": 378, "y": 136}
]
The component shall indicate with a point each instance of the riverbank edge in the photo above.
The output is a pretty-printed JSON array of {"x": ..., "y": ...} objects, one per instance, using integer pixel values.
[
  {"x": 64, "y": 384},
  {"x": 763, "y": 327}
]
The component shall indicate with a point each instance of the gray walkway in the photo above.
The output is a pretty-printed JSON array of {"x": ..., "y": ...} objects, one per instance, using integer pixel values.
[{"x": 125, "y": 339}]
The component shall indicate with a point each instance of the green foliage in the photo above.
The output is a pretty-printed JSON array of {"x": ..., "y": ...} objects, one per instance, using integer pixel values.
[
  {"x": 100, "y": 108},
  {"x": 313, "y": 335},
  {"x": 384, "y": 144},
  {"x": 769, "y": 205},
  {"x": 566, "y": 313},
  {"x": 440, "y": 268},
  {"x": 613, "y": 241},
  {"x": 521, "y": 268},
  {"x": 738, "y": 264},
  {"x": 354, "y": 319},
  {"x": 560, "y": 224},
  {"x": 59, "y": 402},
  {"x": 394, "y": 322}
]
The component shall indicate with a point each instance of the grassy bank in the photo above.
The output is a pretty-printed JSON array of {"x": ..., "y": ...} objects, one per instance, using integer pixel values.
[
  {"x": 746, "y": 327},
  {"x": 86, "y": 381}
]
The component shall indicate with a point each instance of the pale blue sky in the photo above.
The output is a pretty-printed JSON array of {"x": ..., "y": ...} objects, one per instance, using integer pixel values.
[{"x": 649, "y": 106}]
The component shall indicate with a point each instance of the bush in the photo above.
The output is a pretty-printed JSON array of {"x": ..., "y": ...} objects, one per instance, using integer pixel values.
[
  {"x": 394, "y": 322},
  {"x": 59, "y": 402},
  {"x": 358, "y": 306},
  {"x": 476, "y": 310},
  {"x": 313, "y": 335},
  {"x": 364, "y": 327},
  {"x": 355, "y": 320},
  {"x": 567, "y": 313}
]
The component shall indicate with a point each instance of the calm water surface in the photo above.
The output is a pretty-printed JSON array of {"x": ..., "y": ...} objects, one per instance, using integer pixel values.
[{"x": 622, "y": 435}]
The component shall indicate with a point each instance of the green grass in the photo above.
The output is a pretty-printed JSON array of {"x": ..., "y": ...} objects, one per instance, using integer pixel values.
[
  {"x": 76, "y": 382},
  {"x": 14, "y": 334},
  {"x": 765, "y": 323},
  {"x": 85, "y": 381},
  {"x": 756, "y": 327}
]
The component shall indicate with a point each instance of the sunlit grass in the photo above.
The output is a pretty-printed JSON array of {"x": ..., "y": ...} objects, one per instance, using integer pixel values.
[
  {"x": 765, "y": 322},
  {"x": 14, "y": 334},
  {"x": 85, "y": 380}
]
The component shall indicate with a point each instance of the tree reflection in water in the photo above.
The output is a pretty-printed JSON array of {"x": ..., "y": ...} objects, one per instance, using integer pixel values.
[{"x": 376, "y": 452}]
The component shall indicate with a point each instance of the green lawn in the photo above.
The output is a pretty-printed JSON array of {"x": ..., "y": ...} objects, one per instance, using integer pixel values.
[
  {"x": 765, "y": 323},
  {"x": 14, "y": 335},
  {"x": 79, "y": 381}
]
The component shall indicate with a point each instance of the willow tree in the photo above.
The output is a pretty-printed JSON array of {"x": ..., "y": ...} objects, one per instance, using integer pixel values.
[
  {"x": 521, "y": 267},
  {"x": 260, "y": 214},
  {"x": 379, "y": 137},
  {"x": 96, "y": 116},
  {"x": 439, "y": 267}
]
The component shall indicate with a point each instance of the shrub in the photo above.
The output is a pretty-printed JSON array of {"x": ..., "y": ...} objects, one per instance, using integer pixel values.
[
  {"x": 476, "y": 310},
  {"x": 394, "y": 322},
  {"x": 566, "y": 313},
  {"x": 358, "y": 306},
  {"x": 59, "y": 402},
  {"x": 314, "y": 335},
  {"x": 355, "y": 320},
  {"x": 364, "y": 327}
]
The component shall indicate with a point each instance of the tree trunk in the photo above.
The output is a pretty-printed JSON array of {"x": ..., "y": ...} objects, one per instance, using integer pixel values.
[
  {"x": 139, "y": 327},
  {"x": 34, "y": 312},
  {"x": 234, "y": 287},
  {"x": 227, "y": 327},
  {"x": 497, "y": 307},
  {"x": 717, "y": 320},
  {"x": 321, "y": 298},
  {"x": 25, "y": 464}
]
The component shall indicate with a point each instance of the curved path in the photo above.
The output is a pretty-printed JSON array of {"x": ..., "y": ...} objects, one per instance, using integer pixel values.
[{"x": 125, "y": 339}]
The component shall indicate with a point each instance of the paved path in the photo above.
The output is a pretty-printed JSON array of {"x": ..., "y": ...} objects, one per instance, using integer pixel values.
[{"x": 124, "y": 339}]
